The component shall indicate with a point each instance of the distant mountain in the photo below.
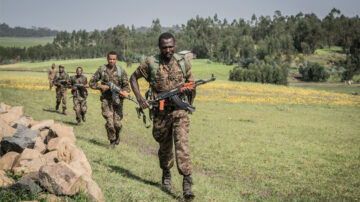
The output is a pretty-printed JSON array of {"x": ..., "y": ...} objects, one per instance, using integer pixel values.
[{"x": 6, "y": 31}]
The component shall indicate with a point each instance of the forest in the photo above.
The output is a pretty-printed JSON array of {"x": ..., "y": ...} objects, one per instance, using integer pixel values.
[{"x": 272, "y": 40}]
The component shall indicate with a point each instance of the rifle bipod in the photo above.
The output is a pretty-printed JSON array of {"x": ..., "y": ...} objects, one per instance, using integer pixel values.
[{"x": 140, "y": 112}]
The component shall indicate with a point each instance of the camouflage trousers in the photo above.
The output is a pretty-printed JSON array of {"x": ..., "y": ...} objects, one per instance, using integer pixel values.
[
  {"x": 61, "y": 96},
  {"x": 80, "y": 107},
  {"x": 51, "y": 83},
  {"x": 113, "y": 114},
  {"x": 169, "y": 126}
]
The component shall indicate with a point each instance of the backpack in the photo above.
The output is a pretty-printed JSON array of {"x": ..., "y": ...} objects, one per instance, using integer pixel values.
[
  {"x": 119, "y": 72},
  {"x": 154, "y": 65}
]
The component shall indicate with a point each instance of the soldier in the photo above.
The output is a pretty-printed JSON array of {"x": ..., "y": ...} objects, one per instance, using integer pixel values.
[
  {"x": 60, "y": 82},
  {"x": 51, "y": 76},
  {"x": 164, "y": 72},
  {"x": 111, "y": 109},
  {"x": 79, "y": 95}
]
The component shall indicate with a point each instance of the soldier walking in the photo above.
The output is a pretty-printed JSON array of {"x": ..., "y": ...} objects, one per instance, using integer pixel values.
[
  {"x": 111, "y": 109},
  {"x": 60, "y": 81},
  {"x": 170, "y": 125},
  {"x": 79, "y": 92},
  {"x": 51, "y": 76}
]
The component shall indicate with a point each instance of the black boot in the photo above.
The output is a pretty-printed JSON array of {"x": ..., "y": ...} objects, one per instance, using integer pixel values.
[
  {"x": 117, "y": 140},
  {"x": 57, "y": 105},
  {"x": 78, "y": 122},
  {"x": 112, "y": 144},
  {"x": 166, "y": 179},
  {"x": 187, "y": 192},
  {"x": 83, "y": 117},
  {"x": 64, "y": 111}
]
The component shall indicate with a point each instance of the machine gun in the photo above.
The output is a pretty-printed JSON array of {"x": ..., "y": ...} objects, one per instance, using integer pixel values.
[
  {"x": 116, "y": 91},
  {"x": 64, "y": 83},
  {"x": 173, "y": 95}
]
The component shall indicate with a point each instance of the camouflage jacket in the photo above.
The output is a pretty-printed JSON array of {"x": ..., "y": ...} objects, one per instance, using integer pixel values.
[
  {"x": 110, "y": 75},
  {"x": 79, "y": 93},
  {"x": 61, "y": 76}
]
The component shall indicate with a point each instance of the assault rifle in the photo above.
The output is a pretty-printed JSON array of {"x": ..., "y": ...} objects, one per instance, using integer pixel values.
[
  {"x": 173, "y": 95},
  {"x": 116, "y": 91},
  {"x": 81, "y": 88},
  {"x": 64, "y": 83}
]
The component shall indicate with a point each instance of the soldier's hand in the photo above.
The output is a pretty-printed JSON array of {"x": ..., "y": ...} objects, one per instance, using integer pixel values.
[
  {"x": 187, "y": 89},
  {"x": 143, "y": 103},
  {"x": 104, "y": 87}
]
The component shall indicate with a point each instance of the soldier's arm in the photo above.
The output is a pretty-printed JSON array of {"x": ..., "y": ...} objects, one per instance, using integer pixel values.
[
  {"x": 125, "y": 82},
  {"x": 94, "y": 80},
  {"x": 142, "y": 71}
]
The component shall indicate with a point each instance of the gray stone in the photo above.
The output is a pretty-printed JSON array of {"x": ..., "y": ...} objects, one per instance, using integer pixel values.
[
  {"x": 28, "y": 185},
  {"x": 23, "y": 138}
]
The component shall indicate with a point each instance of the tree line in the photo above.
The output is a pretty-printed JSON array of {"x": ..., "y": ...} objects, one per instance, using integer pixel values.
[
  {"x": 7, "y": 31},
  {"x": 218, "y": 40}
]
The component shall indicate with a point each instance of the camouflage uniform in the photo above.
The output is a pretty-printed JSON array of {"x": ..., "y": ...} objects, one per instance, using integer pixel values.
[
  {"x": 61, "y": 89},
  {"x": 79, "y": 98},
  {"x": 51, "y": 76},
  {"x": 111, "y": 111},
  {"x": 171, "y": 124}
]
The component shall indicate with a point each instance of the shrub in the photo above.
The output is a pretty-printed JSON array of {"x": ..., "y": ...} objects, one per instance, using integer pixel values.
[
  {"x": 255, "y": 71},
  {"x": 313, "y": 72}
]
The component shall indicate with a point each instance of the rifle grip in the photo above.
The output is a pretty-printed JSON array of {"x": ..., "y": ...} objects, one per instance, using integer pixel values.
[{"x": 162, "y": 104}]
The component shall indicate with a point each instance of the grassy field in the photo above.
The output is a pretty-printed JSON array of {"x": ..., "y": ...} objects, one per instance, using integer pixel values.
[
  {"x": 24, "y": 41},
  {"x": 249, "y": 142}
]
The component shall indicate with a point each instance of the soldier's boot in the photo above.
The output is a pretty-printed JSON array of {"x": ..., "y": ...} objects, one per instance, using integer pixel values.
[
  {"x": 117, "y": 140},
  {"x": 57, "y": 105},
  {"x": 166, "y": 179},
  {"x": 64, "y": 111},
  {"x": 78, "y": 122},
  {"x": 187, "y": 192},
  {"x": 112, "y": 144},
  {"x": 83, "y": 117}
]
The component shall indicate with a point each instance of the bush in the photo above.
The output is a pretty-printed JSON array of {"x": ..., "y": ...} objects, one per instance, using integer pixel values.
[
  {"x": 313, "y": 72},
  {"x": 256, "y": 71}
]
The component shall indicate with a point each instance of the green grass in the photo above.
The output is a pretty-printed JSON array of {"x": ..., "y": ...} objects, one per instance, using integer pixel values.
[
  {"x": 239, "y": 151},
  {"x": 20, "y": 42},
  {"x": 331, "y": 50}
]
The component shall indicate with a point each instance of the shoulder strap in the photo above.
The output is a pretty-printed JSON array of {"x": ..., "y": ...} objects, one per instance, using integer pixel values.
[
  {"x": 154, "y": 66},
  {"x": 182, "y": 63},
  {"x": 119, "y": 71},
  {"x": 102, "y": 69}
]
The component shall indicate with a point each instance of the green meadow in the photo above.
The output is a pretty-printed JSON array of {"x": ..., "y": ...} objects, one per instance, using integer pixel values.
[
  {"x": 240, "y": 151},
  {"x": 21, "y": 42}
]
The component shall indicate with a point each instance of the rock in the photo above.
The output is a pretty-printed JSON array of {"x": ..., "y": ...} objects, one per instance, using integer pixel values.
[
  {"x": 55, "y": 143},
  {"x": 28, "y": 185},
  {"x": 23, "y": 138},
  {"x": 24, "y": 120},
  {"x": 5, "y": 129},
  {"x": 33, "y": 176},
  {"x": 4, "y": 180},
  {"x": 30, "y": 160},
  {"x": 92, "y": 189},
  {"x": 13, "y": 114},
  {"x": 51, "y": 157},
  {"x": 61, "y": 179},
  {"x": 7, "y": 161},
  {"x": 44, "y": 133},
  {"x": 58, "y": 130},
  {"x": 74, "y": 156},
  {"x": 4, "y": 108},
  {"x": 39, "y": 145},
  {"x": 45, "y": 124}
]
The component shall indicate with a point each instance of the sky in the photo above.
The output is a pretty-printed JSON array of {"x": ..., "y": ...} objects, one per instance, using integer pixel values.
[{"x": 95, "y": 14}]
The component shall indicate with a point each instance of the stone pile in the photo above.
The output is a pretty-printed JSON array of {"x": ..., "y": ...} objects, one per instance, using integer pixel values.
[{"x": 44, "y": 154}]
